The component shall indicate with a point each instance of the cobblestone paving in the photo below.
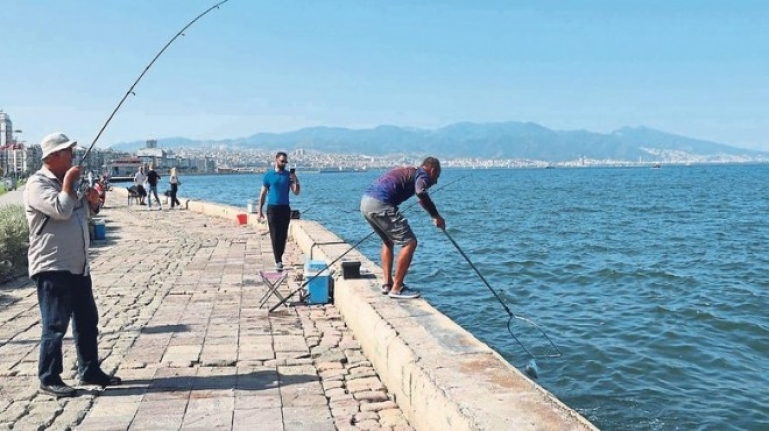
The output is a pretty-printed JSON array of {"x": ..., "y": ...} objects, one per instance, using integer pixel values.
[{"x": 178, "y": 296}]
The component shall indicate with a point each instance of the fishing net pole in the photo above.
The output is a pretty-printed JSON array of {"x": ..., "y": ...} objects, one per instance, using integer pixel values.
[{"x": 523, "y": 330}]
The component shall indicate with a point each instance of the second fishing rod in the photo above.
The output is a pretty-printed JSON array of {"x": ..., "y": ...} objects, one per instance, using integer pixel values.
[{"x": 351, "y": 248}]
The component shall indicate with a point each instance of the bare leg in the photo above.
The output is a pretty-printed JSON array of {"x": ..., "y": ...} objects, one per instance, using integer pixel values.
[
  {"x": 402, "y": 266},
  {"x": 387, "y": 262}
]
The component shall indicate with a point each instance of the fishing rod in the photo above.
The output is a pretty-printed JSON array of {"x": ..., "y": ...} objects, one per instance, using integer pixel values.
[
  {"x": 147, "y": 68},
  {"x": 130, "y": 91},
  {"x": 552, "y": 352},
  {"x": 352, "y": 247}
]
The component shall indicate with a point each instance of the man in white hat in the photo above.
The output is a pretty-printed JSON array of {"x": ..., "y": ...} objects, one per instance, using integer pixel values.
[{"x": 58, "y": 264}]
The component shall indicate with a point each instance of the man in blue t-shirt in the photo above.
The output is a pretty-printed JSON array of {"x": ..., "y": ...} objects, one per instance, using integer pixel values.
[
  {"x": 275, "y": 186},
  {"x": 379, "y": 207}
]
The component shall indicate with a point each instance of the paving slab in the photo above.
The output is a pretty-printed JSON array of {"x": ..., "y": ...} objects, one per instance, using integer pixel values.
[{"x": 178, "y": 296}]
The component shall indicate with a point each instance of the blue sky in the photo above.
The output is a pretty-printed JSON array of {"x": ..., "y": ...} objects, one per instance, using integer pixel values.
[{"x": 696, "y": 68}]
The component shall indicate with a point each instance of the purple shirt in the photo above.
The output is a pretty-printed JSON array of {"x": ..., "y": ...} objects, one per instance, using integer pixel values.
[{"x": 399, "y": 184}]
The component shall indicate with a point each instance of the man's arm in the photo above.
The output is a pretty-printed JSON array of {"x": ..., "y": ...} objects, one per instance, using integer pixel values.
[
  {"x": 421, "y": 187},
  {"x": 262, "y": 198},
  {"x": 43, "y": 197}
]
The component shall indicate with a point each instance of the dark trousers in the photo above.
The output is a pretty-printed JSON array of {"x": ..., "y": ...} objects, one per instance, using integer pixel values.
[
  {"x": 278, "y": 218},
  {"x": 63, "y": 295},
  {"x": 174, "y": 201}
]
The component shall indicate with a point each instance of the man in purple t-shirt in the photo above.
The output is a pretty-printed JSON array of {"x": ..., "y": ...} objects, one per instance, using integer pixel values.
[{"x": 379, "y": 207}]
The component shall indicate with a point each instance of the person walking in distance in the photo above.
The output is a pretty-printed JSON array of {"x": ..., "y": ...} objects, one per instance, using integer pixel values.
[
  {"x": 173, "y": 179},
  {"x": 275, "y": 187},
  {"x": 379, "y": 206},
  {"x": 58, "y": 264},
  {"x": 152, "y": 180},
  {"x": 139, "y": 180}
]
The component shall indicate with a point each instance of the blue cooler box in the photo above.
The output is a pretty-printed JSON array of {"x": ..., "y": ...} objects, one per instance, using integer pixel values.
[
  {"x": 317, "y": 288},
  {"x": 99, "y": 230}
]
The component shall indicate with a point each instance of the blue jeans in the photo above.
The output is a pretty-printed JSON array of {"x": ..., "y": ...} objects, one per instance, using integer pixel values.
[
  {"x": 152, "y": 191},
  {"x": 61, "y": 296}
]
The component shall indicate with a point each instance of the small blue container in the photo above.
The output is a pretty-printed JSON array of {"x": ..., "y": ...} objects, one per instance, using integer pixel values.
[
  {"x": 317, "y": 288},
  {"x": 99, "y": 230}
]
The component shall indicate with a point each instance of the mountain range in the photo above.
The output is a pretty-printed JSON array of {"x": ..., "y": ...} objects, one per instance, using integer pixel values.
[{"x": 502, "y": 140}]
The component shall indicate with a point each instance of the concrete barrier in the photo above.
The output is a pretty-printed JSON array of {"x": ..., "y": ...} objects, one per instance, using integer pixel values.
[
  {"x": 207, "y": 208},
  {"x": 442, "y": 377}
]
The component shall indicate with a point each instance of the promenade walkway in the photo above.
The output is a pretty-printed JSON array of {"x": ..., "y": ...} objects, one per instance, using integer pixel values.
[
  {"x": 14, "y": 197},
  {"x": 178, "y": 295}
]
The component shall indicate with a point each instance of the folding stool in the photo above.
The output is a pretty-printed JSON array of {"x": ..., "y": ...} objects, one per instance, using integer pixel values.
[{"x": 273, "y": 281}]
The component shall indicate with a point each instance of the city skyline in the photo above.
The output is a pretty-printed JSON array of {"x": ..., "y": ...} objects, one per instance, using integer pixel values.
[{"x": 688, "y": 68}]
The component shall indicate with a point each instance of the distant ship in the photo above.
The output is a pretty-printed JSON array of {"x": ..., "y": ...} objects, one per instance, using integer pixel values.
[{"x": 656, "y": 166}]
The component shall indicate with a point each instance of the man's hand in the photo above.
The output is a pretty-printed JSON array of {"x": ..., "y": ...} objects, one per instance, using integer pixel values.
[
  {"x": 261, "y": 215},
  {"x": 439, "y": 222},
  {"x": 92, "y": 196},
  {"x": 71, "y": 177}
]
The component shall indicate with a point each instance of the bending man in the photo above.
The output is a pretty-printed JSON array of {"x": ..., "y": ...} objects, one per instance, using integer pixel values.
[{"x": 379, "y": 207}]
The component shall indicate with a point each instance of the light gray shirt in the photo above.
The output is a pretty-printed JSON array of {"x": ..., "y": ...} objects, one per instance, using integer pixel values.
[
  {"x": 58, "y": 226},
  {"x": 139, "y": 179}
]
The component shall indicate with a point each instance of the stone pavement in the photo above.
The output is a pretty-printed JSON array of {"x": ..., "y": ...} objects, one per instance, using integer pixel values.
[
  {"x": 13, "y": 197},
  {"x": 178, "y": 295}
]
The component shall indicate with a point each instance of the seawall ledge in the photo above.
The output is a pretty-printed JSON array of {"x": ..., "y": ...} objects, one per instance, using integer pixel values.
[{"x": 441, "y": 376}]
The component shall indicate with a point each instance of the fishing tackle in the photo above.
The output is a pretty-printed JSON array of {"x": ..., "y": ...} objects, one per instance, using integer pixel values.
[
  {"x": 550, "y": 352},
  {"x": 131, "y": 89},
  {"x": 352, "y": 247},
  {"x": 82, "y": 187}
]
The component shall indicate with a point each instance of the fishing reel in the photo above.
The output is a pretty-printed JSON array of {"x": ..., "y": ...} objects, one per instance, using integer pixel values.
[{"x": 82, "y": 188}]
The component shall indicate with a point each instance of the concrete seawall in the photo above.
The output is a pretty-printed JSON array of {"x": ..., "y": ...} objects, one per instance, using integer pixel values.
[{"x": 441, "y": 376}]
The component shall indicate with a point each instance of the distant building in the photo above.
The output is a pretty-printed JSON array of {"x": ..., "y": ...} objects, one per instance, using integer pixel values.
[
  {"x": 20, "y": 160},
  {"x": 6, "y": 139},
  {"x": 6, "y": 130},
  {"x": 123, "y": 168},
  {"x": 16, "y": 159},
  {"x": 154, "y": 156},
  {"x": 206, "y": 164}
]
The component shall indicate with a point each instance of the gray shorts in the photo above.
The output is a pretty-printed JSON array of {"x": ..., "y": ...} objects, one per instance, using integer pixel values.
[{"x": 387, "y": 221}]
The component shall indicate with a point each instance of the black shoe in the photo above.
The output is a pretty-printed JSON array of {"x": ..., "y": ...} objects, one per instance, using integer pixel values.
[
  {"x": 58, "y": 390},
  {"x": 102, "y": 380}
]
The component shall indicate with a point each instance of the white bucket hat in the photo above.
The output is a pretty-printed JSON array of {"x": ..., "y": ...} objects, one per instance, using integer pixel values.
[{"x": 55, "y": 142}]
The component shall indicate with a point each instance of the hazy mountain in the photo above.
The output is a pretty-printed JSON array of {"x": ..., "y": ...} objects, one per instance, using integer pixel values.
[{"x": 488, "y": 140}]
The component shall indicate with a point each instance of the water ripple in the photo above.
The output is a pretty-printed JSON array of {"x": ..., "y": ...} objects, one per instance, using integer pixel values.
[{"x": 653, "y": 283}]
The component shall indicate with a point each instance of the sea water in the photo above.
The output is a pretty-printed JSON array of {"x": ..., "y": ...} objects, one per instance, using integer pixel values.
[{"x": 652, "y": 282}]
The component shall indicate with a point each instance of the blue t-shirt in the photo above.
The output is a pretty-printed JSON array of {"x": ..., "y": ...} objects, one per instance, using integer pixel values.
[
  {"x": 399, "y": 184},
  {"x": 278, "y": 184}
]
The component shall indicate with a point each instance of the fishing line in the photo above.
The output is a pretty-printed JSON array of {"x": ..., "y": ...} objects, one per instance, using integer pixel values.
[
  {"x": 147, "y": 68},
  {"x": 353, "y": 247},
  {"x": 550, "y": 351},
  {"x": 131, "y": 92}
]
